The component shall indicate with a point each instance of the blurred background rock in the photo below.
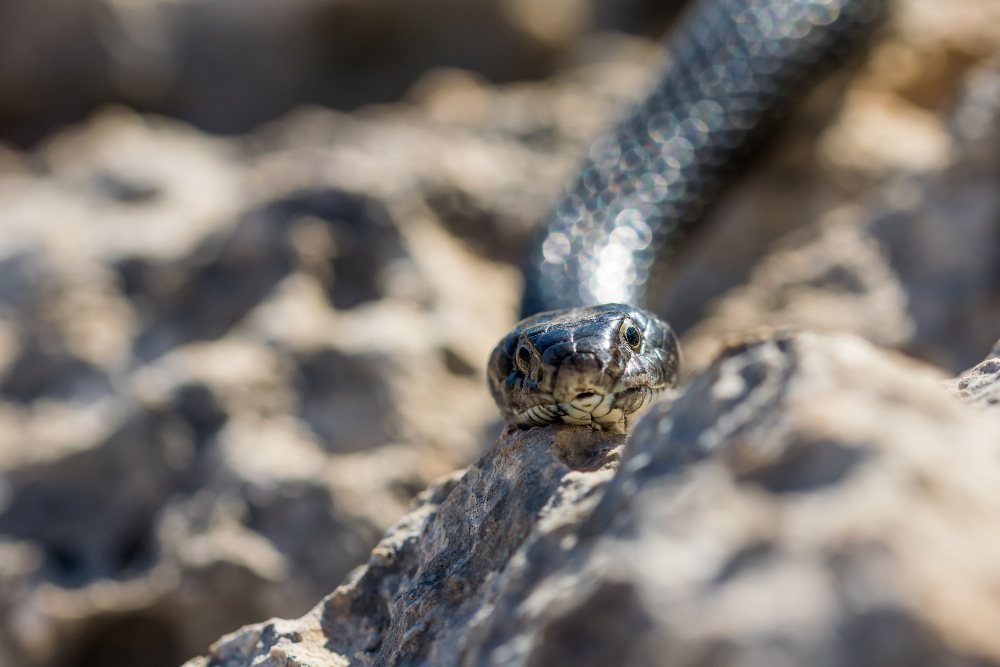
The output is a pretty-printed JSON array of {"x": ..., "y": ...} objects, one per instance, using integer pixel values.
[
  {"x": 228, "y": 65},
  {"x": 253, "y": 256}
]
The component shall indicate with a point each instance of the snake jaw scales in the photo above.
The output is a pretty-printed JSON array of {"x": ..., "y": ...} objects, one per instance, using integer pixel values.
[{"x": 596, "y": 366}]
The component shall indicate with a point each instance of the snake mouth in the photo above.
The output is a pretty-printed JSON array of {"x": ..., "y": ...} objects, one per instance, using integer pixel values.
[
  {"x": 588, "y": 401},
  {"x": 602, "y": 412}
]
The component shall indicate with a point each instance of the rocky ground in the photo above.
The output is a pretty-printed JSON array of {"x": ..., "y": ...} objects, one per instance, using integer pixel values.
[
  {"x": 229, "y": 364},
  {"x": 807, "y": 499},
  {"x": 228, "y": 65}
]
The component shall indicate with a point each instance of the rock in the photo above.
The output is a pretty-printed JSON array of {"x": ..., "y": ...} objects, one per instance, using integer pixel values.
[
  {"x": 928, "y": 78},
  {"x": 345, "y": 241},
  {"x": 212, "y": 405},
  {"x": 178, "y": 58},
  {"x": 807, "y": 497},
  {"x": 209, "y": 365},
  {"x": 911, "y": 265},
  {"x": 980, "y": 386},
  {"x": 226, "y": 363}
]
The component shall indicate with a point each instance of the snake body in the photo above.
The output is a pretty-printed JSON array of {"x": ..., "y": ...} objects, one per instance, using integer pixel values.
[{"x": 733, "y": 66}]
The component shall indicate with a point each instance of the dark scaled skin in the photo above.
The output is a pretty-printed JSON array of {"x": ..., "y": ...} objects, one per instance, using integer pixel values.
[
  {"x": 595, "y": 366},
  {"x": 733, "y": 67}
]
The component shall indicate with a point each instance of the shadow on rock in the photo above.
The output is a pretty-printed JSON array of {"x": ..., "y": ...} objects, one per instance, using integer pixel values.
[{"x": 344, "y": 240}]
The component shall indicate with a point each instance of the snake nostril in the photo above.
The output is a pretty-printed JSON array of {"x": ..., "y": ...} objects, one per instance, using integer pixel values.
[{"x": 584, "y": 395}]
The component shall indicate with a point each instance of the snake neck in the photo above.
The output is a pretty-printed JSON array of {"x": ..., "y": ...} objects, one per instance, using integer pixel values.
[{"x": 733, "y": 67}]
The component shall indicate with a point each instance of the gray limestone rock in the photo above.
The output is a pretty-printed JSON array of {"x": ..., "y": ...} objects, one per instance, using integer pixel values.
[
  {"x": 806, "y": 499},
  {"x": 980, "y": 386},
  {"x": 912, "y": 264},
  {"x": 225, "y": 363},
  {"x": 229, "y": 65},
  {"x": 212, "y": 405}
]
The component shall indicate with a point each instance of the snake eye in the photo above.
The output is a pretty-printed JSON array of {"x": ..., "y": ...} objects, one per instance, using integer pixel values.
[
  {"x": 632, "y": 336},
  {"x": 523, "y": 358}
]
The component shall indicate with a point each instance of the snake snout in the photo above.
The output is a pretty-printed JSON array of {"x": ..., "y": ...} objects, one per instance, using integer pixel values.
[
  {"x": 582, "y": 378},
  {"x": 595, "y": 367}
]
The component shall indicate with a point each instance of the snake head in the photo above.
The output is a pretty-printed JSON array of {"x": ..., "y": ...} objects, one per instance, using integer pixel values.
[{"x": 595, "y": 366}]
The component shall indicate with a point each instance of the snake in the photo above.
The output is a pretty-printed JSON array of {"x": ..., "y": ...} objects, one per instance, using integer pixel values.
[
  {"x": 586, "y": 353},
  {"x": 595, "y": 366}
]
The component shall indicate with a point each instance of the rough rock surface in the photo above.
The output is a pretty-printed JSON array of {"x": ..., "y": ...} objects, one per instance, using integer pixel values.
[
  {"x": 194, "y": 328},
  {"x": 912, "y": 264},
  {"x": 980, "y": 386},
  {"x": 229, "y": 65},
  {"x": 216, "y": 355},
  {"x": 807, "y": 499},
  {"x": 877, "y": 211}
]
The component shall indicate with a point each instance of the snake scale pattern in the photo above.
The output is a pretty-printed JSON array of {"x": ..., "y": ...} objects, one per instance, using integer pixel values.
[{"x": 732, "y": 68}]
